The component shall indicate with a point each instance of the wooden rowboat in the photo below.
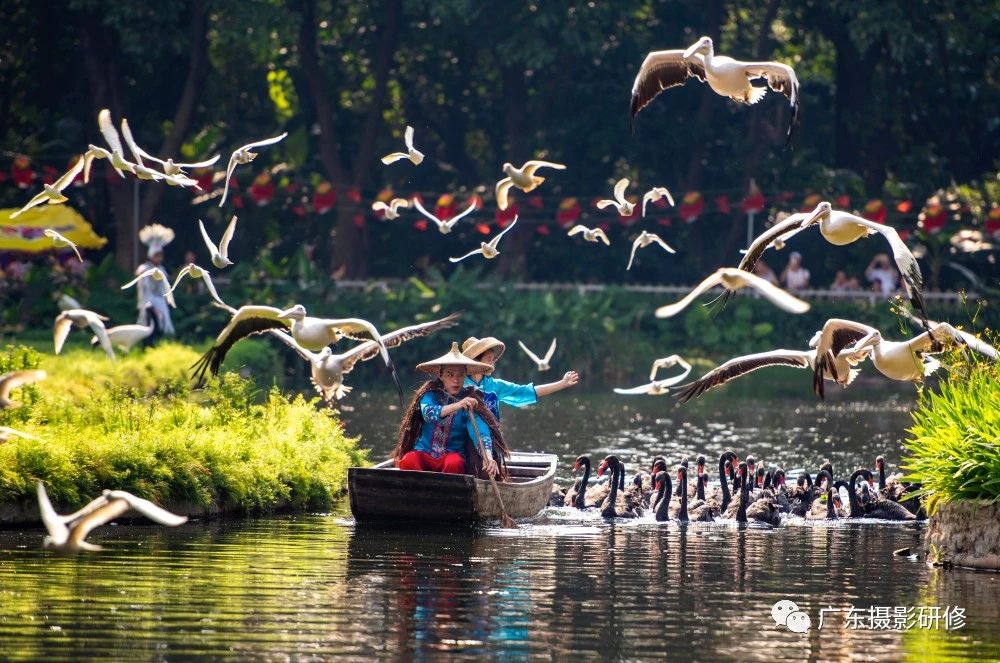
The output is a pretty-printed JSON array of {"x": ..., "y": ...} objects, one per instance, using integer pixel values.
[{"x": 386, "y": 493}]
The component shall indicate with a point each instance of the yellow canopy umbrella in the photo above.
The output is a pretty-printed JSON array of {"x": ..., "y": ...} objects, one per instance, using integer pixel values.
[{"x": 26, "y": 232}]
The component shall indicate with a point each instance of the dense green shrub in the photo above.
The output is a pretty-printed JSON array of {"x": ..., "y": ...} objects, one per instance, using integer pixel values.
[
  {"x": 136, "y": 425},
  {"x": 954, "y": 448}
]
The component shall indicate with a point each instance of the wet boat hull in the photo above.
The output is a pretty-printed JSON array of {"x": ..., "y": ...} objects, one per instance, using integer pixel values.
[{"x": 384, "y": 493}]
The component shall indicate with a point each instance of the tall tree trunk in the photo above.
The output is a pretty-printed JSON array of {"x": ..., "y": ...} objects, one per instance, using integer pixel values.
[
  {"x": 101, "y": 51},
  {"x": 197, "y": 66},
  {"x": 515, "y": 106},
  {"x": 350, "y": 255}
]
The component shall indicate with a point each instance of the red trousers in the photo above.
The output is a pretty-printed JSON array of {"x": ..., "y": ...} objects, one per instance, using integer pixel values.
[{"x": 450, "y": 463}]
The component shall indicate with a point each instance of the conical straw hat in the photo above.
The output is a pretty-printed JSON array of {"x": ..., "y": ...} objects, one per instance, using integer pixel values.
[
  {"x": 473, "y": 347},
  {"x": 453, "y": 358}
]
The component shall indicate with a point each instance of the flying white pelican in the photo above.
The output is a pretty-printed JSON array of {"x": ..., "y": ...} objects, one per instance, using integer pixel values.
[
  {"x": 488, "y": 249},
  {"x": 645, "y": 239},
  {"x": 911, "y": 360},
  {"x": 391, "y": 210},
  {"x": 413, "y": 154},
  {"x": 328, "y": 369},
  {"x": 726, "y": 76},
  {"x": 732, "y": 278},
  {"x": 543, "y": 364},
  {"x": 126, "y": 336},
  {"x": 6, "y": 432},
  {"x": 836, "y": 336},
  {"x": 59, "y": 240},
  {"x": 670, "y": 362},
  {"x": 740, "y": 366},
  {"x": 523, "y": 178},
  {"x": 590, "y": 234},
  {"x": 220, "y": 253},
  {"x": 81, "y": 318},
  {"x": 156, "y": 275},
  {"x": 243, "y": 156},
  {"x": 52, "y": 193},
  {"x": 117, "y": 155},
  {"x": 169, "y": 167},
  {"x": 68, "y": 533},
  {"x": 144, "y": 172},
  {"x": 310, "y": 333},
  {"x": 196, "y": 272},
  {"x": 624, "y": 207},
  {"x": 95, "y": 152},
  {"x": 14, "y": 380},
  {"x": 655, "y": 194},
  {"x": 654, "y": 388},
  {"x": 442, "y": 225},
  {"x": 841, "y": 228},
  {"x": 659, "y": 387}
]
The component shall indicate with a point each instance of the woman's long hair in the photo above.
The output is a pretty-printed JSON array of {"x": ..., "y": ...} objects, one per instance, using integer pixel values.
[{"x": 413, "y": 421}]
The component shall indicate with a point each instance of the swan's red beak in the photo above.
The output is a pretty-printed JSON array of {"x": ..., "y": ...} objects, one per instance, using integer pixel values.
[
  {"x": 600, "y": 468},
  {"x": 576, "y": 467}
]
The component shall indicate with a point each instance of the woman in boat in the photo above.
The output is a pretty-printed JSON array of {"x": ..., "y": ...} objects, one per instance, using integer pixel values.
[
  {"x": 496, "y": 391},
  {"x": 443, "y": 426}
]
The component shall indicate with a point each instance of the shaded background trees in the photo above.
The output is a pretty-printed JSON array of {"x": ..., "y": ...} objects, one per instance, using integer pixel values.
[{"x": 899, "y": 99}]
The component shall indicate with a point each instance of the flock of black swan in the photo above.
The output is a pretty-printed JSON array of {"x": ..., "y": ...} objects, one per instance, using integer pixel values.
[{"x": 746, "y": 492}]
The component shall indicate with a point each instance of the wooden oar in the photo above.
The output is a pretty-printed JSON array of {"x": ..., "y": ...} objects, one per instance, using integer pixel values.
[{"x": 505, "y": 521}]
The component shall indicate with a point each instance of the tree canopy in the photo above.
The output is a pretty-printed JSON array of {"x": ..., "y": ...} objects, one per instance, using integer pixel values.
[{"x": 899, "y": 98}]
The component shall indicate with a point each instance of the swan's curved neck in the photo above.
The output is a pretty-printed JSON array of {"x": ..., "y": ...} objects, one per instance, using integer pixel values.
[
  {"x": 852, "y": 495},
  {"x": 663, "y": 499},
  {"x": 726, "y": 497},
  {"x": 613, "y": 497},
  {"x": 582, "y": 494},
  {"x": 741, "y": 512},
  {"x": 683, "y": 513}
]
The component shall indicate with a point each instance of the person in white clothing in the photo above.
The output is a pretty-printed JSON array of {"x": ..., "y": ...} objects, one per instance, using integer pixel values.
[
  {"x": 151, "y": 297},
  {"x": 795, "y": 276},
  {"x": 882, "y": 275}
]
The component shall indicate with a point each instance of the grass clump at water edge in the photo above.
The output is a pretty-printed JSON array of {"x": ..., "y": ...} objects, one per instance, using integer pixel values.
[
  {"x": 954, "y": 448},
  {"x": 136, "y": 425}
]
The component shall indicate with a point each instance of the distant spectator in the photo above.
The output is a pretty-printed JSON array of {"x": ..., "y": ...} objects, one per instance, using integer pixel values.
[
  {"x": 764, "y": 271},
  {"x": 795, "y": 276},
  {"x": 17, "y": 270},
  {"x": 882, "y": 275},
  {"x": 843, "y": 283}
]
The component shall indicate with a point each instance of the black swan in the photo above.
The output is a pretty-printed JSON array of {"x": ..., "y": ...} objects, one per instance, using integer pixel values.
[
  {"x": 664, "y": 490},
  {"x": 763, "y": 510},
  {"x": 583, "y": 496},
  {"x": 615, "y": 505}
]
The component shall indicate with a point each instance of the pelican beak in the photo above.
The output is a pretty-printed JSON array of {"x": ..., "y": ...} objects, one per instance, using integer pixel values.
[
  {"x": 694, "y": 49},
  {"x": 821, "y": 210},
  {"x": 284, "y": 315}
]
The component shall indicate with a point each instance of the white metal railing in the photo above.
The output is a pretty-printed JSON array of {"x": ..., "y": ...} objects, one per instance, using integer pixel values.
[{"x": 583, "y": 288}]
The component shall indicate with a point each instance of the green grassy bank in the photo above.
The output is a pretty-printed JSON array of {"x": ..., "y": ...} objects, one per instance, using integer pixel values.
[
  {"x": 136, "y": 425},
  {"x": 954, "y": 444}
]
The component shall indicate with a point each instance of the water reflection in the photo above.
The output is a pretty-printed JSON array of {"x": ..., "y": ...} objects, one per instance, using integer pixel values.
[
  {"x": 566, "y": 584},
  {"x": 561, "y": 586}
]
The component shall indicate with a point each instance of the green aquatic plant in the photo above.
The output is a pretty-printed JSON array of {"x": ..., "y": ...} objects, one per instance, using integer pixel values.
[
  {"x": 136, "y": 425},
  {"x": 954, "y": 444}
]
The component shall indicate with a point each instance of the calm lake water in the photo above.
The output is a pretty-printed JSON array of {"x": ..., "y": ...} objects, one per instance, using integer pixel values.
[{"x": 566, "y": 584}]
